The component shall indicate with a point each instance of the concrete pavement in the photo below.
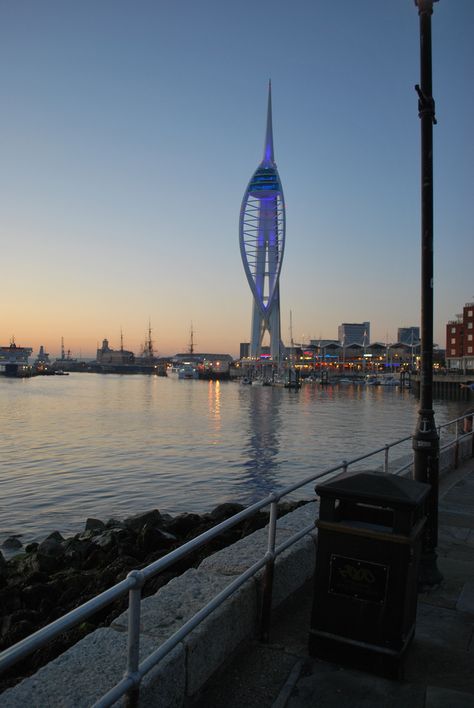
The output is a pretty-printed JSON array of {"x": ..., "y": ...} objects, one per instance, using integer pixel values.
[{"x": 439, "y": 666}]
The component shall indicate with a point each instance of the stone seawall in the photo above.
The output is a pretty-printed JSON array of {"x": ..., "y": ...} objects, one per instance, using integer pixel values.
[{"x": 80, "y": 676}]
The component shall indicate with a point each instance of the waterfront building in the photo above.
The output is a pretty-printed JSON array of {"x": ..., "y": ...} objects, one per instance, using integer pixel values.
[
  {"x": 460, "y": 340},
  {"x": 262, "y": 242},
  {"x": 106, "y": 355},
  {"x": 408, "y": 335},
  {"x": 354, "y": 333}
]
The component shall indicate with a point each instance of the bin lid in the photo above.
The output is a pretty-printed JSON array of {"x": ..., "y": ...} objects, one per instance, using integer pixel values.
[{"x": 377, "y": 487}]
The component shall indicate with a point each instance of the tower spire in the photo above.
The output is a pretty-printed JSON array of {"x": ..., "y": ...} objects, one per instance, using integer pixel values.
[{"x": 268, "y": 157}]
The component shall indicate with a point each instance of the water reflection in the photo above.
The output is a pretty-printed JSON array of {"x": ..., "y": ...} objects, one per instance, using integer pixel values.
[
  {"x": 261, "y": 447},
  {"x": 214, "y": 404}
]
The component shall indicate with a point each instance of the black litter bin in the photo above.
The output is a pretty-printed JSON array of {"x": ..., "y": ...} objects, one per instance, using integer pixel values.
[{"x": 365, "y": 596}]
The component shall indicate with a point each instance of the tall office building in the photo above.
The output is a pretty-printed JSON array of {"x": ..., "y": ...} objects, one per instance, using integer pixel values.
[
  {"x": 353, "y": 333},
  {"x": 262, "y": 242},
  {"x": 408, "y": 335}
]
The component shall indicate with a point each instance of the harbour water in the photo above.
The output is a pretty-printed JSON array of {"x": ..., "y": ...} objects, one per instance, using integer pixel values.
[{"x": 98, "y": 446}]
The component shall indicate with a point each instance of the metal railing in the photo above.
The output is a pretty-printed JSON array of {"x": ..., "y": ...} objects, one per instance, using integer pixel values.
[{"x": 133, "y": 583}]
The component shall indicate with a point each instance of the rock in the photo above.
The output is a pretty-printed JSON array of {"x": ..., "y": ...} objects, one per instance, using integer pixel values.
[
  {"x": 19, "y": 629},
  {"x": 3, "y": 570},
  {"x": 17, "y": 625},
  {"x": 94, "y": 525},
  {"x": 51, "y": 547},
  {"x": 224, "y": 511},
  {"x": 12, "y": 543},
  {"x": 115, "y": 524},
  {"x": 55, "y": 536},
  {"x": 38, "y": 595},
  {"x": 49, "y": 563},
  {"x": 153, "y": 518},
  {"x": 106, "y": 540},
  {"x": 117, "y": 571},
  {"x": 75, "y": 551},
  {"x": 9, "y": 600},
  {"x": 184, "y": 523},
  {"x": 95, "y": 560},
  {"x": 31, "y": 547},
  {"x": 130, "y": 549},
  {"x": 153, "y": 539}
]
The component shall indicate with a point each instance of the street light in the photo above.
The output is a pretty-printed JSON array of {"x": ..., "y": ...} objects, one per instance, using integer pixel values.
[{"x": 426, "y": 439}]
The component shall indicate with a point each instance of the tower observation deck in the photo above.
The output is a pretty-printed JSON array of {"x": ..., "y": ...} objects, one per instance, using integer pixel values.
[{"x": 262, "y": 243}]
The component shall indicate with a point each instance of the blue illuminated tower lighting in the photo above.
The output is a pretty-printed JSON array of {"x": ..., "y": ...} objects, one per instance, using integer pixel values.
[{"x": 262, "y": 243}]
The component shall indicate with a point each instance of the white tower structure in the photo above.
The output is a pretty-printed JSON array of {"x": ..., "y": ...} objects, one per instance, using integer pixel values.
[{"x": 262, "y": 243}]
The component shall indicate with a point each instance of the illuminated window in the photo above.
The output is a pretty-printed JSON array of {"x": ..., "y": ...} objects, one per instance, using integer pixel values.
[{"x": 453, "y": 340}]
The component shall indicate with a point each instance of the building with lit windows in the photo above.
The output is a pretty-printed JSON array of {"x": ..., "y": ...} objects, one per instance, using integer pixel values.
[{"x": 460, "y": 340}]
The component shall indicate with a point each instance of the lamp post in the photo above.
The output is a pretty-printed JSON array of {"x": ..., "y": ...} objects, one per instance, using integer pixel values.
[{"x": 426, "y": 439}]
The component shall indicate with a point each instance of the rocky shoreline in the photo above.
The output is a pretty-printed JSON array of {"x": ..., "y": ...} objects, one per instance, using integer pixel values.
[{"x": 51, "y": 578}]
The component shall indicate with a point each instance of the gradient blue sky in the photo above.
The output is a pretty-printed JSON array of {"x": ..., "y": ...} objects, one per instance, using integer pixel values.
[{"x": 129, "y": 131}]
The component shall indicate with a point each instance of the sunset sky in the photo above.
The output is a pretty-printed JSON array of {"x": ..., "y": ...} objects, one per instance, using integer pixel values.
[{"x": 129, "y": 131}]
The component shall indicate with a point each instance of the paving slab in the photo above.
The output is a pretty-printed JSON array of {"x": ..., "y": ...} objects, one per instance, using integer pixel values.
[
  {"x": 446, "y": 698},
  {"x": 466, "y": 599},
  {"x": 329, "y": 686}
]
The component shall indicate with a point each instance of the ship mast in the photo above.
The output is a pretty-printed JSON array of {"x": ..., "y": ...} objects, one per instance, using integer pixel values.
[
  {"x": 292, "y": 356},
  {"x": 191, "y": 341},
  {"x": 149, "y": 344}
]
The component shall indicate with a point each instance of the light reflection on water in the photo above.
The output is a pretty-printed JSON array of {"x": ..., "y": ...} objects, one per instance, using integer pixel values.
[{"x": 111, "y": 446}]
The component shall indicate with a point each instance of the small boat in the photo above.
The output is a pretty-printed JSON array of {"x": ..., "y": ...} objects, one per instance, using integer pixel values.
[
  {"x": 389, "y": 381},
  {"x": 372, "y": 381},
  {"x": 293, "y": 380},
  {"x": 188, "y": 372}
]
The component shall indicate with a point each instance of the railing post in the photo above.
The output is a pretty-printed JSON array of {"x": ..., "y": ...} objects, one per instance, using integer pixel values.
[
  {"x": 472, "y": 435},
  {"x": 456, "y": 447},
  {"x": 133, "y": 649},
  {"x": 385, "y": 464},
  {"x": 268, "y": 575}
]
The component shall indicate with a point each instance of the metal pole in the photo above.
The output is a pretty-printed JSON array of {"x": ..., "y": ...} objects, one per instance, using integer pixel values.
[
  {"x": 268, "y": 575},
  {"x": 426, "y": 439},
  {"x": 133, "y": 648}
]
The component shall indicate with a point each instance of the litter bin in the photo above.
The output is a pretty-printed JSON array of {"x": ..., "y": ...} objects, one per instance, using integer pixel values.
[{"x": 365, "y": 595}]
